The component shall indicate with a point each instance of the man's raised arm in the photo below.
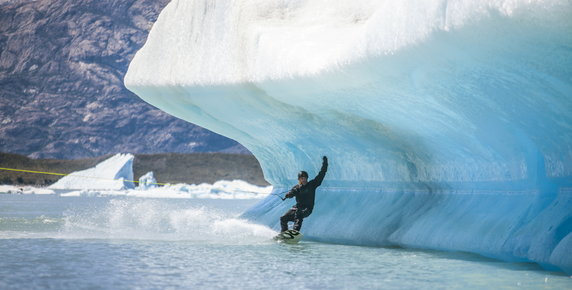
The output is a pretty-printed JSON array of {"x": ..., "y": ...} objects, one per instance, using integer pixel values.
[{"x": 322, "y": 173}]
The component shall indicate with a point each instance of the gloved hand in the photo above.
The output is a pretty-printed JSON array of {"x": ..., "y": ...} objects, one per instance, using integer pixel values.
[
  {"x": 325, "y": 159},
  {"x": 289, "y": 195}
]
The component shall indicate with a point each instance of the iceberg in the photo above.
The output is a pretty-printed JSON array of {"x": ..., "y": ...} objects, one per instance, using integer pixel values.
[
  {"x": 448, "y": 124},
  {"x": 147, "y": 181},
  {"x": 114, "y": 173}
]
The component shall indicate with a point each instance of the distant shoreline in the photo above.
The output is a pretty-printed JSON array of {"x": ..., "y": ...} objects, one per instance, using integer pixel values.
[{"x": 190, "y": 168}]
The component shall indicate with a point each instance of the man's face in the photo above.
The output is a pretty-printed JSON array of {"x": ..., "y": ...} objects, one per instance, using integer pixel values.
[{"x": 303, "y": 180}]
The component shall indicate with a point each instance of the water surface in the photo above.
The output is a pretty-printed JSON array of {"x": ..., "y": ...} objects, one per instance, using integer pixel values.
[{"x": 125, "y": 243}]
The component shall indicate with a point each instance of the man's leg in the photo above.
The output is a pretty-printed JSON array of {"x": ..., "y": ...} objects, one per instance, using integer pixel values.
[
  {"x": 299, "y": 217},
  {"x": 288, "y": 216}
]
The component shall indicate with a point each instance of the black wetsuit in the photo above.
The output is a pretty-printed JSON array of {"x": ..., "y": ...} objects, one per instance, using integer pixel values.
[{"x": 305, "y": 196}]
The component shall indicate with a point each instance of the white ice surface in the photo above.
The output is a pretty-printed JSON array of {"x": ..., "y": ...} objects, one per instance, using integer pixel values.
[{"x": 115, "y": 173}]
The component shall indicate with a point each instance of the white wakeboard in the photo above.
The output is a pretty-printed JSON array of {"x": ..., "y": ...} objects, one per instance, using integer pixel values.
[{"x": 289, "y": 237}]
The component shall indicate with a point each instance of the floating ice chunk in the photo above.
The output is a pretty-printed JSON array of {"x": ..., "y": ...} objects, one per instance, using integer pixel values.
[
  {"x": 11, "y": 189},
  {"x": 147, "y": 181},
  {"x": 113, "y": 173}
]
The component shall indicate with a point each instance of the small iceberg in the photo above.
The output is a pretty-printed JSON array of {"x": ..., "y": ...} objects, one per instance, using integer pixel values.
[{"x": 115, "y": 173}]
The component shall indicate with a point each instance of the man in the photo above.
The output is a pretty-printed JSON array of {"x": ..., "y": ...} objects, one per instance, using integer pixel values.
[{"x": 305, "y": 193}]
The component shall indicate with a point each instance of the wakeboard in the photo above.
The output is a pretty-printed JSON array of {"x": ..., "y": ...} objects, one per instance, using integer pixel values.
[{"x": 289, "y": 237}]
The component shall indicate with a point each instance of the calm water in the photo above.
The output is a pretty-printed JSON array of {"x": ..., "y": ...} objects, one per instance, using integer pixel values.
[{"x": 125, "y": 243}]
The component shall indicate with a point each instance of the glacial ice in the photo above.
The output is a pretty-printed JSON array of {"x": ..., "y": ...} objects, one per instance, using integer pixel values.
[
  {"x": 147, "y": 181},
  {"x": 115, "y": 173},
  {"x": 447, "y": 123}
]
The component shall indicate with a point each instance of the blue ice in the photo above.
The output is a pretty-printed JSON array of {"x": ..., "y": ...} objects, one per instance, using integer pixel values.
[{"x": 448, "y": 124}]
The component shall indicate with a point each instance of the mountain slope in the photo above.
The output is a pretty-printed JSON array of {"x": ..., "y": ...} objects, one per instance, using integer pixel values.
[{"x": 61, "y": 83}]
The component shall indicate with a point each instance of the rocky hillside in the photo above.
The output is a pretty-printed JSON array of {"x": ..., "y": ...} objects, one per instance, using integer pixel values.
[{"x": 61, "y": 83}]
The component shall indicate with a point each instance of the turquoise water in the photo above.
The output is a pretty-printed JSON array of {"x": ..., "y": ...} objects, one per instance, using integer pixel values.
[{"x": 126, "y": 243}]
